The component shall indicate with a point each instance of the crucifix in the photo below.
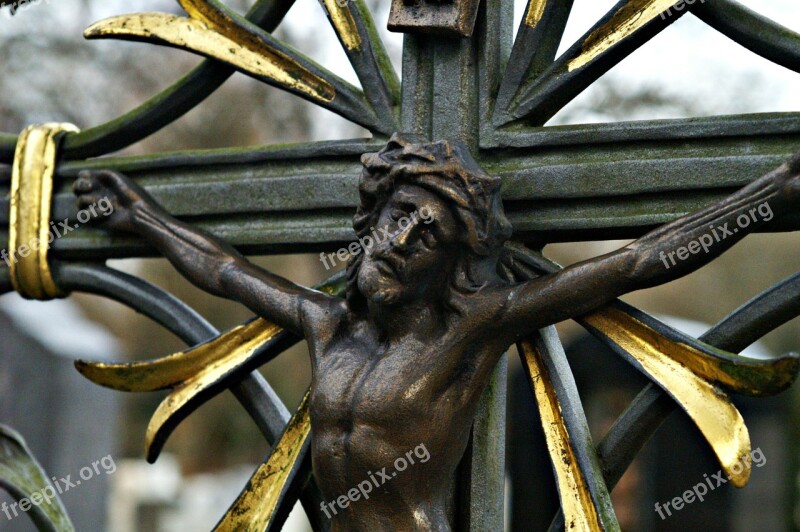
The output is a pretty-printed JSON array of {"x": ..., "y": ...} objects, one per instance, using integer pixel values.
[
  {"x": 401, "y": 361},
  {"x": 405, "y": 408}
]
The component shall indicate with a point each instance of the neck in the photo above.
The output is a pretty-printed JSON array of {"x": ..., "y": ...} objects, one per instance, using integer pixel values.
[{"x": 412, "y": 317}]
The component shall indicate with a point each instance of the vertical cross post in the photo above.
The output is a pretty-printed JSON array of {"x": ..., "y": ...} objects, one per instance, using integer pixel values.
[{"x": 448, "y": 84}]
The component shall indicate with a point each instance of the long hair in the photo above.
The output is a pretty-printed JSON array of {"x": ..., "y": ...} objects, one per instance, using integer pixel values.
[{"x": 447, "y": 169}]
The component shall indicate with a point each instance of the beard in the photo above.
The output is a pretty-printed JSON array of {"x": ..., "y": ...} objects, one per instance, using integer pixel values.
[{"x": 379, "y": 286}]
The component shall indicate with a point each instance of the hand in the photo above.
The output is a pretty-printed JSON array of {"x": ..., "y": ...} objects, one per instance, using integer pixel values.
[{"x": 117, "y": 196}]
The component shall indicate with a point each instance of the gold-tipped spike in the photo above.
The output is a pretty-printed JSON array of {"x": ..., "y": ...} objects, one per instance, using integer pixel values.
[
  {"x": 535, "y": 12},
  {"x": 743, "y": 375},
  {"x": 711, "y": 409},
  {"x": 344, "y": 23},
  {"x": 236, "y": 46},
  {"x": 173, "y": 370},
  {"x": 226, "y": 354},
  {"x": 580, "y": 512},
  {"x": 629, "y": 19},
  {"x": 257, "y": 505}
]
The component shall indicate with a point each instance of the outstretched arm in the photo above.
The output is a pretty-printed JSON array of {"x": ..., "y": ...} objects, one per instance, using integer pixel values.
[
  {"x": 209, "y": 263},
  {"x": 660, "y": 256}
]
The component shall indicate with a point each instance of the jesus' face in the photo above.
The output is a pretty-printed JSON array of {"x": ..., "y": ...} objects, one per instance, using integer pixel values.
[{"x": 415, "y": 257}]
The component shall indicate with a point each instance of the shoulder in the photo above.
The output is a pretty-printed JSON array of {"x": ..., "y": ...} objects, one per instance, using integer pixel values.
[
  {"x": 486, "y": 309},
  {"x": 322, "y": 313}
]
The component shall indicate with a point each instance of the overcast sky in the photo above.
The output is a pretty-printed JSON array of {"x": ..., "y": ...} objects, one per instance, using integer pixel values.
[{"x": 689, "y": 61}]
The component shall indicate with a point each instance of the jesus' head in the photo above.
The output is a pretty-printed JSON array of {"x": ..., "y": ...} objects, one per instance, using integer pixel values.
[{"x": 454, "y": 255}]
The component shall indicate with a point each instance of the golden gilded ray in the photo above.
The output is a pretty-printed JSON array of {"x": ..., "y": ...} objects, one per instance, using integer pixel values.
[
  {"x": 239, "y": 345},
  {"x": 191, "y": 372},
  {"x": 739, "y": 374},
  {"x": 535, "y": 12},
  {"x": 256, "y": 506},
  {"x": 31, "y": 197},
  {"x": 580, "y": 512},
  {"x": 217, "y": 36},
  {"x": 175, "y": 369},
  {"x": 711, "y": 410},
  {"x": 629, "y": 19},
  {"x": 344, "y": 23},
  {"x": 209, "y": 12}
]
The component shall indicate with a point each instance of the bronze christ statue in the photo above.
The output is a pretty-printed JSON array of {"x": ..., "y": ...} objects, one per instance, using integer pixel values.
[{"x": 402, "y": 361}]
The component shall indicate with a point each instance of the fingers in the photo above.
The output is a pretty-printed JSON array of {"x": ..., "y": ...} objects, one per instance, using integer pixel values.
[
  {"x": 87, "y": 188},
  {"x": 83, "y": 184},
  {"x": 89, "y": 180},
  {"x": 87, "y": 200}
]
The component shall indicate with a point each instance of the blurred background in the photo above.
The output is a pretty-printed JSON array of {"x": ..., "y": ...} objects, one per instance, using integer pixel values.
[{"x": 49, "y": 73}]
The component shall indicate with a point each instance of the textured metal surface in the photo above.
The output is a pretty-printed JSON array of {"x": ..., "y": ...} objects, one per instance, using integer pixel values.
[
  {"x": 198, "y": 374},
  {"x": 261, "y": 401},
  {"x": 259, "y": 506},
  {"x": 253, "y": 392},
  {"x": 301, "y": 198},
  {"x": 538, "y": 93},
  {"x": 711, "y": 410},
  {"x": 620, "y": 324},
  {"x": 356, "y": 30},
  {"x": 23, "y": 477},
  {"x": 759, "y": 34},
  {"x": 452, "y": 18},
  {"x": 392, "y": 305},
  {"x": 746, "y": 325},
  {"x": 263, "y": 61},
  {"x": 215, "y": 31},
  {"x": 344, "y": 335},
  {"x": 447, "y": 84},
  {"x": 483, "y": 489},
  {"x": 584, "y": 496}
]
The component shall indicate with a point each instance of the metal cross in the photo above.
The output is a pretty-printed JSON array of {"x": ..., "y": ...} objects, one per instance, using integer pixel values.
[{"x": 560, "y": 184}]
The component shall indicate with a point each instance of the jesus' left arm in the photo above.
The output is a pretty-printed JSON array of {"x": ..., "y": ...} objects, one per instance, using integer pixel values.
[{"x": 665, "y": 254}]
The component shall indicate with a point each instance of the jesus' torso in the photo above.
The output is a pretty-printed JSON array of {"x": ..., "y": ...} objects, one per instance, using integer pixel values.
[{"x": 371, "y": 406}]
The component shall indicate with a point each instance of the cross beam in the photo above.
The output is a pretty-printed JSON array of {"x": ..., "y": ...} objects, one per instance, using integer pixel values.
[{"x": 559, "y": 184}]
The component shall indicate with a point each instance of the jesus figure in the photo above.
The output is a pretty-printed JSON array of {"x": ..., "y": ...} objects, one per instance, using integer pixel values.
[{"x": 403, "y": 359}]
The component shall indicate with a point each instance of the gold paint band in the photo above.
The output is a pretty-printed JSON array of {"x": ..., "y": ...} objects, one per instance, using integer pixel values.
[
  {"x": 29, "y": 234},
  {"x": 256, "y": 507},
  {"x": 579, "y": 510},
  {"x": 629, "y": 19},
  {"x": 344, "y": 23},
  {"x": 535, "y": 12}
]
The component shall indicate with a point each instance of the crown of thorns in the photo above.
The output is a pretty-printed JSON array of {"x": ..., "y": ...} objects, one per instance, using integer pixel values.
[{"x": 448, "y": 169}]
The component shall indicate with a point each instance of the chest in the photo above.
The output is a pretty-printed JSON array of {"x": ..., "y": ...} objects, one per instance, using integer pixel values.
[{"x": 357, "y": 381}]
